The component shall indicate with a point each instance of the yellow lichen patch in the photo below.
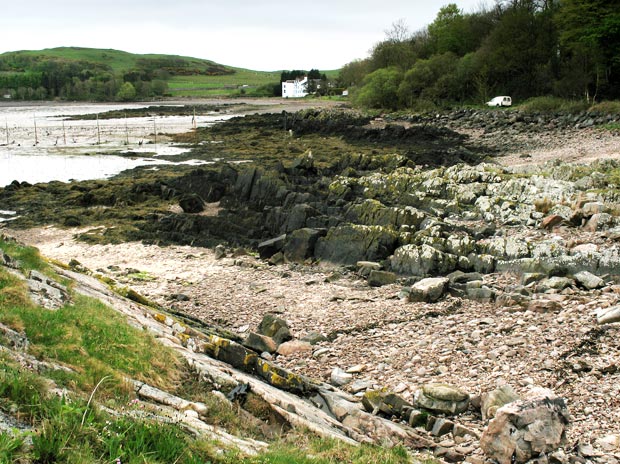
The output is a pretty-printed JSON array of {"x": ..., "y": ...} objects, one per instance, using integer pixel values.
[
  {"x": 184, "y": 338},
  {"x": 161, "y": 318}
]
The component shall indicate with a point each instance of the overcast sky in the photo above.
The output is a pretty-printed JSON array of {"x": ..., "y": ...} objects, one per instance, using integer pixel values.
[{"x": 263, "y": 35}]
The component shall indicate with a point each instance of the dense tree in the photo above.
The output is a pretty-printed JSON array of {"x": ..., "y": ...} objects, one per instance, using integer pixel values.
[
  {"x": 380, "y": 89},
  {"x": 523, "y": 48},
  {"x": 590, "y": 40},
  {"x": 127, "y": 92}
]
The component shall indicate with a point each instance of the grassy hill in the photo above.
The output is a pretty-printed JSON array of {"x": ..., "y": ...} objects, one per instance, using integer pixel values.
[{"x": 97, "y": 74}]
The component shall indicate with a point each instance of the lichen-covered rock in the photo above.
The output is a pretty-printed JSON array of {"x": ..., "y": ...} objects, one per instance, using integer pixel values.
[
  {"x": 298, "y": 216},
  {"x": 282, "y": 378},
  {"x": 260, "y": 343},
  {"x": 373, "y": 213},
  {"x": 526, "y": 429},
  {"x": 231, "y": 353},
  {"x": 276, "y": 328},
  {"x": 442, "y": 398},
  {"x": 350, "y": 243},
  {"x": 386, "y": 402},
  {"x": 422, "y": 260},
  {"x": 599, "y": 221}
]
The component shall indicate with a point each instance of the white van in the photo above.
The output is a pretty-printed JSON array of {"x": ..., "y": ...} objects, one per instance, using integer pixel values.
[{"x": 500, "y": 101}]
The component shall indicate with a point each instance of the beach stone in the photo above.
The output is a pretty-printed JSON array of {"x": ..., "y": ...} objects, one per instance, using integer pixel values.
[
  {"x": 294, "y": 346},
  {"x": 381, "y": 278},
  {"x": 531, "y": 277},
  {"x": 429, "y": 290},
  {"x": 441, "y": 427},
  {"x": 525, "y": 429},
  {"x": 260, "y": 343},
  {"x": 276, "y": 328},
  {"x": 599, "y": 221},
  {"x": 492, "y": 401},
  {"x": 588, "y": 280},
  {"x": 339, "y": 378},
  {"x": 544, "y": 306},
  {"x": 314, "y": 337},
  {"x": 365, "y": 267},
  {"x": 555, "y": 283},
  {"x": 442, "y": 398},
  {"x": 608, "y": 315},
  {"x": 550, "y": 222}
]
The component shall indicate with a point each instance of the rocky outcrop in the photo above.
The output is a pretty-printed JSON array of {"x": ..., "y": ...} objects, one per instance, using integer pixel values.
[{"x": 526, "y": 429}]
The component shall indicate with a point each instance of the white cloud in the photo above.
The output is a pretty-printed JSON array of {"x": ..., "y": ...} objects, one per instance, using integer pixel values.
[{"x": 268, "y": 35}]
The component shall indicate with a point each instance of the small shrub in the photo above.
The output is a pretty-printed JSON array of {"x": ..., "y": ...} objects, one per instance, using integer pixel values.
[
  {"x": 606, "y": 107},
  {"x": 543, "y": 205},
  {"x": 553, "y": 105}
]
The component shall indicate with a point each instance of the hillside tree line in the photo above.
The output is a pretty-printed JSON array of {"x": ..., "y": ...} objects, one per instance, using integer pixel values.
[
  {"x": 26, "y": 77},
  {"x": 523, "y": 48}
]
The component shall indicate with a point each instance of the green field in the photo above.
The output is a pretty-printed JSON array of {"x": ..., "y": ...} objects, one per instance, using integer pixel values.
[{"x": 188, "y": 76}]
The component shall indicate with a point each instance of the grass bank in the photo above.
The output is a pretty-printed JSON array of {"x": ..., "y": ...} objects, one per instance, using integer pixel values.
[{"x": 79, "y": 409}]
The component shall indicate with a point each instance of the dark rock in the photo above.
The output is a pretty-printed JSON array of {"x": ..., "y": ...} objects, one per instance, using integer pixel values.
[
  {"x": 260, "y": 343},
  {"x": 191, "y": 203},
  {"x": 350, "y": 243},
  {"x": 275, "y": 327},
  {"x": 299, "y": 244},
  {"x": 270, "y": 247},
  {"x": 298, "y": 217},
  {"x": 441, "y": 427}
]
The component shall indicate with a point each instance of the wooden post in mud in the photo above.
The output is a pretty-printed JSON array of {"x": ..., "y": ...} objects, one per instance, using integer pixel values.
[
  {"x": 155, "y": 128},
  {"x": 36, "y": 138},
  {"x": 64, "y": 133},
  {"x": 98, "y": 131},
  {"x": 194, "y": 119},
  {"x": 6, "y": 127},
  {"x": 126, "y": 131}
]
